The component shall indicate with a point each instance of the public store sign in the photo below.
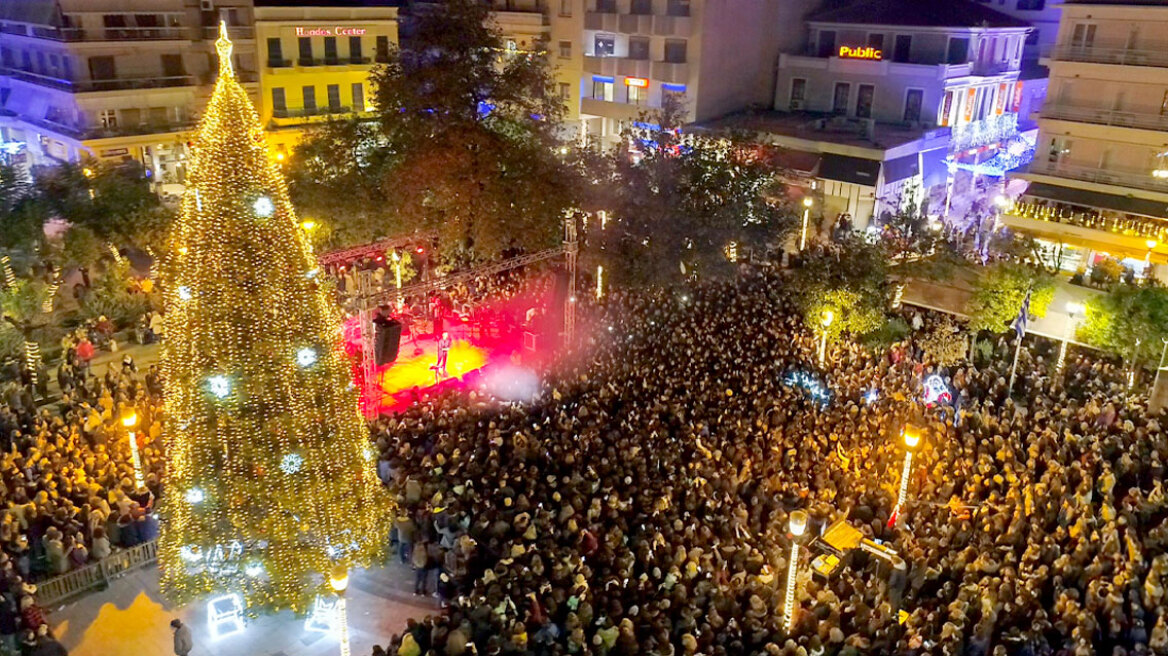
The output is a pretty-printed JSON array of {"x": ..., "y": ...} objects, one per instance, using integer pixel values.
[
  {"x": 330, "y": 31},
  {"x": 848, "y": 52}
]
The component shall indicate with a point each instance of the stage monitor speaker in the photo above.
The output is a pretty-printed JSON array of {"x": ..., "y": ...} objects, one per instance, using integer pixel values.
[{"x": 386, "y": 340}]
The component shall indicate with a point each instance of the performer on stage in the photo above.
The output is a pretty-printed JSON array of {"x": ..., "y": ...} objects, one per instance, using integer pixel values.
[{"x": 444, "y": 345}]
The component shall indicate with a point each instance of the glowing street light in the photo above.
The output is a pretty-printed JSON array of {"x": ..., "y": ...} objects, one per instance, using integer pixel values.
[
  {"x": 1074, "y": 311},
  {"x": 807, "y": 203},
  {"x": 339, "y": 580},
  {"x": 1151, "y": 244},
  {"x": 796, "y": 526},
  {"x": 826, "y": 318},
  {"x": 911, "y": 435},
  {"x": 130, "y": 420}
]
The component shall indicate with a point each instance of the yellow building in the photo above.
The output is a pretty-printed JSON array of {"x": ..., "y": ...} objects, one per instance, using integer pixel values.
[{"x": 315, "y": 59}]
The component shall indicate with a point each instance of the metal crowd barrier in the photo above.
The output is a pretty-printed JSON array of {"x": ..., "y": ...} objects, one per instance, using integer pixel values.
[{"x": 97, "y": 575}]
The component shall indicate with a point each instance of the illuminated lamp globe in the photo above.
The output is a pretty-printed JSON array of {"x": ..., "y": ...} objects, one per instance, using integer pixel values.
[
  {"x": 807, "y": 202},
  {"x": 827, "y": 317},
  {"x": 1151, "y": 243},
  {"x": 219, "y": 385},
  {"x": 130, "y": 420},
  {"x": 911, "y": 436},
  {"x": 1075, "y": 309},
  {"x": 306, "y": 357},
  {"x": 339, "y": 579},
  {"x": 184, "y": 292},
  {"x": 797, "y": 522}
]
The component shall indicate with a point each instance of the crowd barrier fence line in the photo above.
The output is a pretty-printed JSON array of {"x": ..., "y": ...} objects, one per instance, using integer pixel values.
[{"x": 96, "y": 575}]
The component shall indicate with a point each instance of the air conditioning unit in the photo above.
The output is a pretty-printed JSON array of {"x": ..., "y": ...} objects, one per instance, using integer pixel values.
[
  {"x": 206, "y": 5},
  {"x": 796, "y": 105}
]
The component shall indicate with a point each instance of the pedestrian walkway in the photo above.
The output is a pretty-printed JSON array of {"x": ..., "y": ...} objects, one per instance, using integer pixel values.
[{"x": 132, "y": 618}]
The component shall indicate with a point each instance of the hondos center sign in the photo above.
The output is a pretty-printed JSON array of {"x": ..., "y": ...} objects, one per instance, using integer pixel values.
[{"x": 330, "y": 31}]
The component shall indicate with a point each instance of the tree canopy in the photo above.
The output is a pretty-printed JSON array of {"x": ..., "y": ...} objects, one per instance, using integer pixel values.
[
  {"x": 999, "y": 292},
  {"x": 1129, "y": 321}
]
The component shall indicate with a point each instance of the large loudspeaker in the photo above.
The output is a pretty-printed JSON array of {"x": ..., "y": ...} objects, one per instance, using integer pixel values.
[{"x": 386, "y": 340}]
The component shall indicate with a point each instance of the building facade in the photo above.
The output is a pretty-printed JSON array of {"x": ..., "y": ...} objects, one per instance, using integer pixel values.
[
  {"x": 315, "y": 61},
  {"x": 1099, "y": 183},
  {"x": 113, "y": 79},
  {"x": 629, "y": 58},
  {"x": 923, "y": 89}
]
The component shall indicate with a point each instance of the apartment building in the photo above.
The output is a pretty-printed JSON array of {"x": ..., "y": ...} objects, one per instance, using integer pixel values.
[
  {"x": 113, "y": 79},
  {"x": 893, "y": 97},
  {"x": 1099, "y": 181},
  {"x": 711, "y": 56},
  {"x": 1043, "y": 17},
  {"x": 315, "y": 61}
]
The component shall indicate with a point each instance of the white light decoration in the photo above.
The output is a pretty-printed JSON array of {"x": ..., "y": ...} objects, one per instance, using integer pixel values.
[
  {"x": 936, "y": 391},
  {"x": 323, "y": 618},
  {"x": 184, "y": 292},
  {"x": 219, "y": 385},
  {"x": 370, "y": 454},
  {"x": 253, "y": 570},
  {"x": 190, "y": 554},
  {"x": 291, "y": 463},
  {"x": 225, "y": 616},
  {"x": 195, "y": 495},
  {"x": 263, "y": 207},
  {"x": 306, "y": 357}
]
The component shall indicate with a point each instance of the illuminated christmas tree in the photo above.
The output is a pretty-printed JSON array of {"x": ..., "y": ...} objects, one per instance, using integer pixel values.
[{"x": 271, "y": 481}]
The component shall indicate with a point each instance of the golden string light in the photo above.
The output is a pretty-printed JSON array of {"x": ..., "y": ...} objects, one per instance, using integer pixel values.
[{"x": 244, "y": 315}]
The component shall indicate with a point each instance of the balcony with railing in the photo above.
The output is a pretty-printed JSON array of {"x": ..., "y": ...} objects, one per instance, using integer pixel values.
[
  {"x": 1112, "y": 52},
  {"x": 602, "y": 21},
  {"x": 76, "y": 34},
  {"x": 234, "y": 32},
  {"x": 1099, "y": 116},
  {"x": 279, "y": 63},
  {"x": 38, "y": 79},
  {"x": 136, "y": 83},
  {"x": 1114, "y": 176},
  {"x": 992, "y": 129},
  {"x": 672, "y": 72},
  {"x": 600, "y": 65},
  {"x": 311, "y": 112},
  {"x": 672, "y": 26},
  {"x": 1133, "y": 227}
]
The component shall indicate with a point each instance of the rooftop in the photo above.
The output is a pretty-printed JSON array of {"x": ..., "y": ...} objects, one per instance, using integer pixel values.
[
  {"x": 918, "y": 13},
  {"x": 807, "y": 126}
]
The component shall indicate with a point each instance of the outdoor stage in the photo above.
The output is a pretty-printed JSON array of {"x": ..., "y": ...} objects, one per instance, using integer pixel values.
[{"x": 486, "y": 352}]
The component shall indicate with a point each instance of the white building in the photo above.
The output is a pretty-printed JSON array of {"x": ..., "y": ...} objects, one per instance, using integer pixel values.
[
  {"x": 113, "y": 79},
  {"x": 885, "y": 80},
  {"x": 1099, "y": 180}
]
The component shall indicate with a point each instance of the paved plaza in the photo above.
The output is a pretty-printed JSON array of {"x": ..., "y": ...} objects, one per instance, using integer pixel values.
[{"x": 132, "y": 618}]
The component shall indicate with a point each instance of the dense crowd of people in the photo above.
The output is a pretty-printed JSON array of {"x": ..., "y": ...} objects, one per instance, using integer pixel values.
[{"x": 640, "y": 505}]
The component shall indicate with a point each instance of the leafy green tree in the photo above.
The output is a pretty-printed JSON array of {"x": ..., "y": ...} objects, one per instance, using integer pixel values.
[
  {"x": 22, "y": 215},
  {"x": 115, "y": 202},
  {"x": 465, "y": 143},
  {"x": 1129, "y": 321},
  {"x": 80, "y": 247},
  {"x": 999, "y": 292},
  {"x": 23, "y": 308},
  {"x": 853, "y": 284}
]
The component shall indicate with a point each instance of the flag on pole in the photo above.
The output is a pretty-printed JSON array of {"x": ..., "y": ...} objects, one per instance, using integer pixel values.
[{"x": 1023, "y": 316}]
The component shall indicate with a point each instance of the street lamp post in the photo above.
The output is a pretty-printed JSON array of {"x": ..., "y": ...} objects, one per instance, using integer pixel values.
[
  {"x": 1151, "y": 244},
  {"x": 826, "y": 318},
  {"x": 129, "y": 421},
  {"x": 796, "y": 526},
  {"x": 339, "y": 580},
  {"x": 807, "y": 202},
  {"x": 1074, "y": 311},
  {"x": 911, "y": 435}
]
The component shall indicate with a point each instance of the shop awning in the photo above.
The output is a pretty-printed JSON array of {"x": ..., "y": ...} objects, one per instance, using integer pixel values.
[
  {"x": 1098, "y": 200},
  {"x": 902, "y": 168},
  {"x": 842, "y": 168},
  {"x": 935, "y": 167}
]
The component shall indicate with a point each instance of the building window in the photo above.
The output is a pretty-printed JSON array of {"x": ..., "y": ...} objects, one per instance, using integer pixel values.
[
  {"x": 798, "y": 93},
  {"x": 330, "y": 50},
  {"x": 641, "y": 7},
  {"x": 275, "y": 53},
  {"x": 172, "y": 66},
  {"x": 602, "y": 88},
  {"x": 1031, "y": 5},
  {"x": 565, "y": 8},
  {"x": 675, "y": 52},
  {"x": 1164, "y": 105},
  {"x": 958, "y": 52},
  {"x": 358, "y": 97},
  {"x": 101, "y": 68},
  {"x": 605, "y": 45},
  {"x": 565, "y": 91},
  {"x": 1060, "y": 150},
  {"x": 309, "y": 100},
  {"x": 355, "y": 50},
  {"x": 108, "y": 118},
  {"x": 902, "y": 51},
  {"x": 382, "y": 49},
  {"x": 839, "y": 100},
  {"x": 305, "y": 44},
  {"x": 913, "y": 99},
  {"x": 876, "y": 41},
  {"x": 637, "y": 94},
  {"x": 677, "y": 8},
  {"x": 1083, "y": 36},
  {"x": 279, "y": 102},
  {"x": 606, "y": 6},
  {"x": 334, "y": 97},
  {"x": 638, "y": 47},
  {"x": 826, "y": 43},
  {"x": 864, "y": 101},
  {"x": 565, "y": 49}
]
